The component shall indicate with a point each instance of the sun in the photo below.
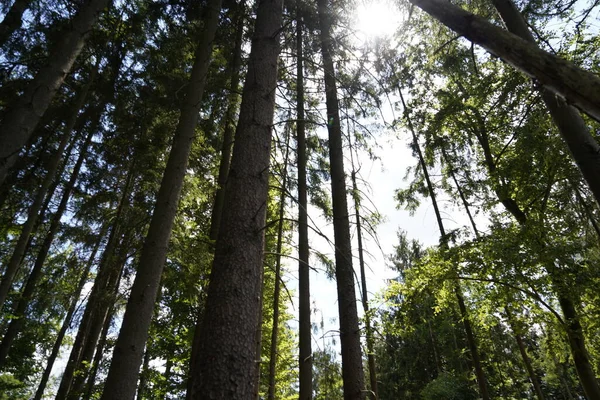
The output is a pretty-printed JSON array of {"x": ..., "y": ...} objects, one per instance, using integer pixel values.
[{"x": 376, "y": 18}]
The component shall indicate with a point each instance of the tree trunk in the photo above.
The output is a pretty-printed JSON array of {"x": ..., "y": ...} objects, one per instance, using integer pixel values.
[
  {"x": 523, "y": 350},
  {"x": 579, "y": 87},
  {"x": 19, "y": 313},
  {"x": 305, "y": 329},
  {"x": 352, "y": 369},
  {"x": 227, "y": 356},
  {"x": 128, "y": 352},
  {"x": 20, "y": 121},
  {"x": 276, "y": 295},
  {"x": 13, "y": 19},
  {"x": 228, "y": 121},
  {"x": 143, "y": 375},
  {"x": 67, "y": 321},
  {"x": 470, "y": 336},
  {"x": 101, "y": 288},
  {"x": 583, "y": 147},
  {"x": 363, "y": 282},
  {"x": 34, "y": 211}
]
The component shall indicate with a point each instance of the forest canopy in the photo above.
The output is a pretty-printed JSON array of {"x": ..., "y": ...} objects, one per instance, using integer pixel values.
[{"x": 183, "y": 183}]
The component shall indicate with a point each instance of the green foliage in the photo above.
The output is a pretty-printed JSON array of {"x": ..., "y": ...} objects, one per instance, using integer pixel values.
[{"x": 448, "y": 387}]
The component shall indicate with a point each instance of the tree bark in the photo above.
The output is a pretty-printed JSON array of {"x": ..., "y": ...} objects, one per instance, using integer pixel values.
[
  {"x": 228, "y": 122},
  {"x": 127, "y": 357},
  {"x": 20, "y": 121},
  {"x": 352, "y": 369},
  {"x": 13, "y": 19},
  {"x": 227, "y": 356},
  {"x": 577, "y": 86},
  {"x": 305, "y": 329}
]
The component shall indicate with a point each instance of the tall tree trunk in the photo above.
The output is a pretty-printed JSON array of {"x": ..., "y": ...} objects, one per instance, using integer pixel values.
[
  {"x": 20, "y": 121},
  {"x": 470, "y": 336},
  {"x": 579, "y": 87},
  {"x": 106, "y": 273},
  {"x": 305, "y": 329},
  {"x": 13, "y": 19},
  {"x": 363, "y": 282},
  {"x": 583, "y": 147},
  {"x": 526, "y": 360},
  {"x": 19, "y": 313},
  {"x": 68, "y": 318},
  {"x": 276, "y": 295},
  {"x": 34, "y": 211},
  {"x": 128, "y": 352},
  {"x": 228, "y": 120},
  {"x": 352, "y": 369},
  {"x": 227, "y": 358}
]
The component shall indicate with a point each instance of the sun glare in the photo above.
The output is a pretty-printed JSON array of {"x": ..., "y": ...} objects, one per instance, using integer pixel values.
[{"x": 377, "y": 18}]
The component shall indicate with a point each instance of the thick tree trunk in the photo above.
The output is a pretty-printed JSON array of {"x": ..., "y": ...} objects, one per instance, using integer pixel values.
[
  {"x": 128, "y": 353},
  {"x": 227, "y": 356},
  {"x": 305, "y": 329},
  {"x": 228, "y": 122},
  {"x": 20, "y": 121},
  {"x": 67, "y": 321},
  {"x": 276, "y": 295},
  {"x": 352, "y": 369},
  {"x": 580, "y": 88},
  {"x": 583, "y": 147},
  {"x": 13, "y": 19}
]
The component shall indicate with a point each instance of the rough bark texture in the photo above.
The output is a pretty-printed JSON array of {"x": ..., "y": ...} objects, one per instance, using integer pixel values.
[
  {"x": 578, "y": 87},
  {"x": 305, "y": 331},
  {"x": 583, "y": 147},
  {"x": 352, "y": 369},
  {"x": 227, "y": 359},
  {"x": 20, "y": 121},
  {"x": 228, "y": 122},
  {"x": 13, "y": 19},
  {"x": 128, "y": 353}
]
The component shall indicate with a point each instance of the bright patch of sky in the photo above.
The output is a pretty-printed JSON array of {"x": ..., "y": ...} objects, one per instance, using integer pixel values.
[{"x": 376, "y": 19}]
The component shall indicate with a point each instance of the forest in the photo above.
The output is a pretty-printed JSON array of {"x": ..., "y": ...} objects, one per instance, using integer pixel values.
[{"x": 179, "y": 177}]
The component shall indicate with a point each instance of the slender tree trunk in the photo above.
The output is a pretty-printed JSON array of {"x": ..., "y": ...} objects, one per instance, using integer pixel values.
[
  {"x": 363, "y": 282},
  {"x": 305, "y": 329},
  {"x": 276, "y": 295},
  {"x": 68, "y": 318},
  {"x": 583, "y": 147},
  {"x": 144, "y": 375},
  {"x": 227, "y": 356},
  {"x": 128, "y": 353},
  {"x": 580, "y": 88},
  {"x": 352, "y": 369},
  {"x": 34, "y": 211},
  {"x": 13, "y": 19},
  {"x": 20, "y": 121},
  {"x": 228, "y": 121},
  {"x": 19, "y": 312},
  {"x": 523, "y": 350},
  {"x": 470, "y": 336},
  {"x": 101, "y": 288}
]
